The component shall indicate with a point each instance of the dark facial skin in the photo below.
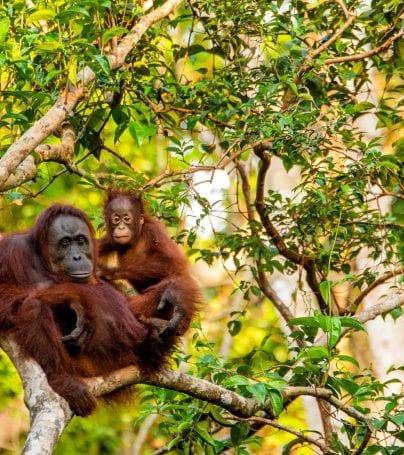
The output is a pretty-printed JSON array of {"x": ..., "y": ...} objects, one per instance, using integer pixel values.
[
  {"x": 121, "y": 220},
  {"x": 70, "y": 248}
]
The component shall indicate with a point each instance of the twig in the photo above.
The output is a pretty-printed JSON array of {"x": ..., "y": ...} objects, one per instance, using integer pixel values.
[
  {"x": 367, "y": 54},
  {"x": 279, "y": 426},
  {"x": 117, "y": 155},
  {"x": 336, "y": 35},
  {"x": 327, "y": 395}
]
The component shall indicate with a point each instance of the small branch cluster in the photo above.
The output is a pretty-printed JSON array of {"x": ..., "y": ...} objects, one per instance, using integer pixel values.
[{"x": 65, "y": 104}]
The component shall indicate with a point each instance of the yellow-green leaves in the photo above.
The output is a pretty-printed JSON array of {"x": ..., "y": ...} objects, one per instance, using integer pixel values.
[{"x": 41, "y": 15}]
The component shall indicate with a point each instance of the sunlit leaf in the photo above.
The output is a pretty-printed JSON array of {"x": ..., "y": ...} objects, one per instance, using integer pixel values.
[
  {"x": 114, "y": 31},
  {"x": 41, "y": 15}
]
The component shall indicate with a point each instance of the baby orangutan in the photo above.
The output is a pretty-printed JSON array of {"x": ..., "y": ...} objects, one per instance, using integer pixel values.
[{"x": 152, "y": 263}]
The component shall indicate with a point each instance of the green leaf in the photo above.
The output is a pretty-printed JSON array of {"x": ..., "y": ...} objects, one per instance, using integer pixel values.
[
  {"x": 276, "y": 401},
  {"x": 195, "y": 49},
  {"x": 258, "y": 391},
  {"x": 351, "y": 323},
  {"x": 238, "y": 433},
  {"x": 308, "y": 321},
  {"x": 347, "y": 358},
  {"x": 316, "y": 352},
  {"x": 335, "y": 332},
  {"x": 49, "y": 46},
  {"x": 256, "y": 291},
  {"x": 325, "y": 290},
  {"x": 236, "y": 381},
  {"x": 398, "y": 419},
  {"x": 4, "y": 26},
  {"x": 205, "y": 435},
  {"x": 103, "y": 62},
  {"x": 114, "y": 31},
  {"x": 72, "y": 13},
  {"x": 173, "y": 442},
  {"x": 140, "y": 132},
  {"x": 330, "y": 325},
  {"x": 364, "y": 106},
  {"x": 235, "y": 327},
  {"x": 217, "y": 416},
  {"x": 41, "y": 15},
  {"x": 293, "y": 87},
  {"x": 276, "y": 383}
]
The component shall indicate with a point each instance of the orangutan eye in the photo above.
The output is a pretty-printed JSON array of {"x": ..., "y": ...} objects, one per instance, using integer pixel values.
[
  {"x": 64, "y": 242},
  {"x": 127, "y": 219},
  {"x": 116, "y": 219},
  {"x": 81, "y": 240}
]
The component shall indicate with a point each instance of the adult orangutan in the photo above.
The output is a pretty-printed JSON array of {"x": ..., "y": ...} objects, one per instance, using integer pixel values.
[
  {"x": 73, "y": 324},
  {"x": 150, "y": 260}
]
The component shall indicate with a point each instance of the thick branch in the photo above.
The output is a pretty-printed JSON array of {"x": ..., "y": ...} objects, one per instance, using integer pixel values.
[
  {"x": 66, "y": 102},
  {"x": 181, "y": 382},
  {"x": 37, "y": 133},
  {"x": 207, "y": 391},
  {"x": 61, "y": 153},
  {"x": 49, "y": 412},
  {"x": 387, "y": 305},
  {"x": 382, "y": 279}
]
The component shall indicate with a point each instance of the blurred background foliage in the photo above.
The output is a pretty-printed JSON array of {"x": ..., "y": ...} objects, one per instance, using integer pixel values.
[{"x": 205, "y": 99}]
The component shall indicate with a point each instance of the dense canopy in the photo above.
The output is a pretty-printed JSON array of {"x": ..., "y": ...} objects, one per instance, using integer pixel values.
[{"x": 266, "y": 135}]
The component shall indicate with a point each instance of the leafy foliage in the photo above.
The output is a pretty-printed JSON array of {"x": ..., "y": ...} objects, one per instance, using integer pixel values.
[{"x": 215, "y": 107}]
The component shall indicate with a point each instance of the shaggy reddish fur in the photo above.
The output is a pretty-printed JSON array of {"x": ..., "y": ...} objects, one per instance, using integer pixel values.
[
  {"x": 37, "y": 306},
  {"x": 153, "y": 264}
]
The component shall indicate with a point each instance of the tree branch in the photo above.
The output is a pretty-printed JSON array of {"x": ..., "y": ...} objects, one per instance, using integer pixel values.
[
  {"x": 274, "y": 424},
  {"x": 181, "y": 382},
  {"x": 60, "y": 153},
  {"x": 387, "y": 305},
  {"x": 303, "y": 260},
  {"x": 49, "y": 412},
  {"x": 335, "y": 36},
  {"x": 263, "y": 282},
  {"x": 363, "y": 55},
  {"x": 371, "y": 287}
]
